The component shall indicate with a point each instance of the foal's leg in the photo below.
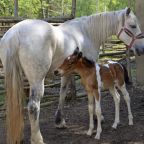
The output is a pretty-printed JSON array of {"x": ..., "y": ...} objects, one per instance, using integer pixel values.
[
  {"x": 36, "y": 92},
  {"x": 127, "y": 100},
  {"x": 60, "y": 121},
  {"x": 91, "y": 109},
  {"x": 98, "y": 113},
  {"x": 116, "y": 98}
]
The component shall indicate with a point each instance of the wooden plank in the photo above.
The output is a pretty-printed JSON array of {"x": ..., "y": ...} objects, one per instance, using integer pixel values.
[
  {"x": 113, "y": 54},
  {"x": 50, "y": 20},
  {"x": 5, "y": 26}
]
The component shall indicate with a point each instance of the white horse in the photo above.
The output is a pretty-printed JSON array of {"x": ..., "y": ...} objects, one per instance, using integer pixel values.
[{"x": 36, "y": 48}]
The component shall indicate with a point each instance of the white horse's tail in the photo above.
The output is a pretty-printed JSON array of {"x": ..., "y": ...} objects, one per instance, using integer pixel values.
[{"x": 14, "y": 95}]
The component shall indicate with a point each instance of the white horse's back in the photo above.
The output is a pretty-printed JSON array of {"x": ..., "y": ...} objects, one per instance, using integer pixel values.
[{"x": 34, "y": 40}]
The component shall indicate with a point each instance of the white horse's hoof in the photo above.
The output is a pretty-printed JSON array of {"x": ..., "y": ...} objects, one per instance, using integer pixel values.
[{"x": 89, "y": 133}]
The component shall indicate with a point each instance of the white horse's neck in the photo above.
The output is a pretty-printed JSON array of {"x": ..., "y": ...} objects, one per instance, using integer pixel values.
[
  {"x": 100, "y": 26},
  {"x": 87, "y": 32}
]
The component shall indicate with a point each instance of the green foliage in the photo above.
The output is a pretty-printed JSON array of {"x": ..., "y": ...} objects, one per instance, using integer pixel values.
[
  {"x": 119, "y": 4},
  {"x": 30, "y": 9},
  {"x": 93, "y": 6},
  {"x": 48, "y": 8},
  {"x": 6, "y": 7}
]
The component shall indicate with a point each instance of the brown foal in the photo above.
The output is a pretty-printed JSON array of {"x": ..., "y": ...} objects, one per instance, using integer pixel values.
[{"x": 94, "y": 77}]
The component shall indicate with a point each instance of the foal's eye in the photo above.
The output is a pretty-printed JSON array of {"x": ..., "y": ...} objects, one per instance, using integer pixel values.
[
  {"x": 70, "y": 63},
  {"x": 133, "y": 26}
]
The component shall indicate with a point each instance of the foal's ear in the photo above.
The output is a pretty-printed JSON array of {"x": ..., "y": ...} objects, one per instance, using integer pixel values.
[
  {"x": 80, "y": 55},
  {"x": 128, "y": 11},
  {"x": 76, "y": 51}
]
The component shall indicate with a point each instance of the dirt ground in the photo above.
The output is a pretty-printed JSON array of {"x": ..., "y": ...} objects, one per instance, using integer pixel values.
[
  {"x": 76, "y": 114},
  {"x": 77, "y": 119}
]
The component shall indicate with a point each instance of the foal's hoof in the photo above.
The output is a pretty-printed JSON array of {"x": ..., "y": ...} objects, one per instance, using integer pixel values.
[
  {"x": 114, "y": 126},
  {"x": 61, "y": 126},
  {"x": 97, "y": 136},
  {"x": 130, "y": 120},
  {"x": 22, "y": 141},
  {"x": 131, "y": 123}
]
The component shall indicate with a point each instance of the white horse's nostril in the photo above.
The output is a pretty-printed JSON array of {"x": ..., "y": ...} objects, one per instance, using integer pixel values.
[{"x": 137, "y": 51}]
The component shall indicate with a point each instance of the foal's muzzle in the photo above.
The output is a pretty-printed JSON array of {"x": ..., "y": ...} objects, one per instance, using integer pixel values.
[{"x": 56, "y": 72}]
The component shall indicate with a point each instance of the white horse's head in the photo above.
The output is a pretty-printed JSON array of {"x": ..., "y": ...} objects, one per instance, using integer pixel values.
[{"x": 129, "y": 31}]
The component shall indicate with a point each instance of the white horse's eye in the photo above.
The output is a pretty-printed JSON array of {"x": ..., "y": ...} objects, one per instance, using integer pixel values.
[{"x": 133, "y": 26}]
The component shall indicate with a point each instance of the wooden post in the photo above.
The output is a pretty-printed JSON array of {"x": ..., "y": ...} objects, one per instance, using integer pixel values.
[
  {"x": 128, "y": 55},
  {"x": 139, "y": 7},
  {"x": 97, "y": 6},
  {"x": 62, "y": 7},
  {"x": 16, "y": 8},
  {"x": 73, "y": 8}
]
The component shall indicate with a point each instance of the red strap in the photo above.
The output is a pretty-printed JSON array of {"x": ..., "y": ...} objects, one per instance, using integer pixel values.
[
  {"x": 129, "y": 33},
  {"x": 140, "y": 36},
  {"x": 118, "y": 35}
]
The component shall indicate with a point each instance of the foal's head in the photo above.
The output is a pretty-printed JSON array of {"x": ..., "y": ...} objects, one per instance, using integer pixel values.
[{"x": 69, "y": 64}]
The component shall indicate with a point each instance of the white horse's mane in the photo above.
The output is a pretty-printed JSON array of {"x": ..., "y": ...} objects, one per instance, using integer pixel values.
[{"x": 98, "y": 26}]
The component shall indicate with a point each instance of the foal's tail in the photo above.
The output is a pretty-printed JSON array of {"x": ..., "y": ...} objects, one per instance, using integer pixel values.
[
  {"x": 14, "y": 94},
  {"x": 126, "y": 77}
]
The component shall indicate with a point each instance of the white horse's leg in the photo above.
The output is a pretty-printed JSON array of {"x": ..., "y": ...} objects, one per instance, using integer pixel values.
[
  {"x": 36, "y": 92},
  {"x": 98, "y": 113},
  {"x": 59, "y": 120},
  {"x": 91, "y": 109},
  {"x": 127, "y": 100},
  {"x": 116, "y": 98}
]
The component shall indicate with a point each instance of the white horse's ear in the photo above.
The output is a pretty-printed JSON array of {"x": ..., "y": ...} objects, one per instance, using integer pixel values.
[
  {"x": 76, "y": 51},
  {"x": 128, "y": 10}
]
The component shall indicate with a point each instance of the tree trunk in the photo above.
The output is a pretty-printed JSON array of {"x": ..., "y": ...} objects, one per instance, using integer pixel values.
[
  {"x": 139, "y": 7},
  {"x": 16, "y": 8}
]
